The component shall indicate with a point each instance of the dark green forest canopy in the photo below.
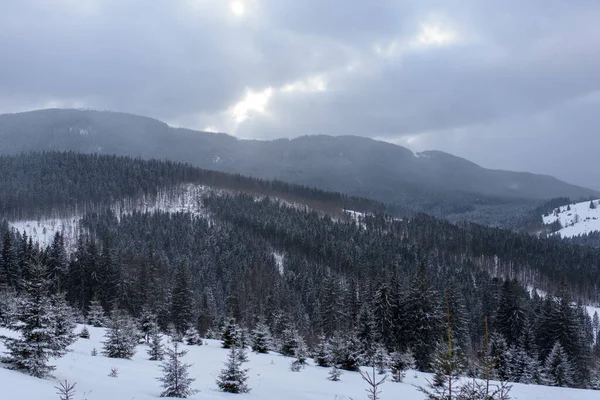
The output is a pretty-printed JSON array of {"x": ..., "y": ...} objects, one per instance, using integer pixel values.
[{"x": 49, "y": 181}]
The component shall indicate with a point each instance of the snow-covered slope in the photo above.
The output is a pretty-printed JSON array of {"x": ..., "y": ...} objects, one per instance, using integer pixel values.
[
  {"x": 184, "y": 198},
  {"x": 270, "y": 378},
  {"x": 576, "y": 219}
]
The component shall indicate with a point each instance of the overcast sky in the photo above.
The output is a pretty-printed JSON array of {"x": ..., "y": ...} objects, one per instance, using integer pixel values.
[{"x": 509, "y": 84}]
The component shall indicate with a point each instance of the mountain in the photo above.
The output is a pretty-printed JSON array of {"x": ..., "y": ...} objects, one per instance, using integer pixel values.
[{"x": 432, "y": 181}]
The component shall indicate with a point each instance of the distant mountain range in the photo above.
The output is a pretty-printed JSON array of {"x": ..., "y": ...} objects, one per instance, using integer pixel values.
[{"x": 431, "y": 181}]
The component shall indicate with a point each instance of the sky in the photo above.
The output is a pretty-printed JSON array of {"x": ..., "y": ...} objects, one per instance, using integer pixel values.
[{"x": 508, "y": 84}]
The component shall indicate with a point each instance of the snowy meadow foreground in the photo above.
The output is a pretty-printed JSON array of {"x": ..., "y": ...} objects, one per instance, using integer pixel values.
[{"x": 270, "y": 377}]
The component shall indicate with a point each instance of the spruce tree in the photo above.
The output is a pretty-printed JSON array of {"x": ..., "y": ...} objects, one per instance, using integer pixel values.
[
  {"x": 381, "y": 360},
  {"x": 121, "y": 336},
  {"x": 232, "y": 378},
  {"x": 85, "y": 333},
  {"x": 334, "y": 374},
  {"x": 192, "y": 337},
  {"x": 557, "y": 368},
  {"x": 181, "y": 304},
  {"x": 399, "y": 364},
  {"x": 96, "y": 316},
  {"x": 301, "y": 355},
  {"x": 422, "y": 320},
  {"x": 147, "y": 324},
  {"x": 64, "y": 324},
  {"x": 35, "y": 321},
  {"x": 175, "y": 379},
  {"x": 230, "y": 336},
  {"x": 156, "y": 350},
  {"x": 289, "y": 342},
  {"x": 261, "y": 338},
  {"x": 322, "y": 354}
]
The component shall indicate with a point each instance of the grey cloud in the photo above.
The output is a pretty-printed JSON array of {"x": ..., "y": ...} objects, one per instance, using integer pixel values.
[{"x": 513, "y": 80}]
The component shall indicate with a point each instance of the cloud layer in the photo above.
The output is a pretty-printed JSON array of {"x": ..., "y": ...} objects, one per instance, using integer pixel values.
[{"x": 509, "y": 84}]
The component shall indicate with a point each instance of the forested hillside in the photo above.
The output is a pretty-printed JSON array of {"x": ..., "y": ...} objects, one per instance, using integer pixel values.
[
  {"x": 434, "y": 182},
  {"x": 261, "y": 254}
]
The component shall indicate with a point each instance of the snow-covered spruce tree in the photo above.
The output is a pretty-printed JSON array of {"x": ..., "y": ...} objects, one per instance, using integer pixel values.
[
  {"x": 261, "y": 340},
  {"x": 595, "y": 377},
  {"x": 345, "y": 351},
  {"x": 381, "y": 359},
  {"x": 8, "y": 306},
  {"x": 399, "y": 364},
  {"x": 85, "y": 333},
  {"x": 95, "y": 315},
  {"x": 230, "y": 334},
  {"x": 521, "y": 367},
  {"x": 192, "y": 337},
  {"x": 447, "y": 366},
  {"x": 64, "y": 325},
  {"x": 156, "y": 351},
  {"x": 34, "y": 320},
  {"x": 373, "y": 382},
  {"x": 289, "y": 342},
  {"x": 557, "y": 368},
  {"x": 334, "y": 374},
  {"x": 175, "y": 379},
  {"x": 66, "y": 390},
  {"x": 322, "y": 354},
  {"x": 147, "y": 324},
  {"x": 182, "y": 307},
  {"x": 121, "y": 336},
  {"x": 244, "y": 338},
  {"x": 301, "y": 356},
  {"x": 232, "y": 378}
]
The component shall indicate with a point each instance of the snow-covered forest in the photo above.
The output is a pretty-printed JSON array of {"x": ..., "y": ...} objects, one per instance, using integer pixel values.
[{"x": 413, "y": 299}]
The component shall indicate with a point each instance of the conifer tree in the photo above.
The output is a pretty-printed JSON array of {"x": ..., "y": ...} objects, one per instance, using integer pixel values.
[
  {"x": 156, "y": 350},
  {"x": 147, "y": 324},
  {"x": 381, "y": 360},
  {"x": 64, "y": 324},
  {"x": 557, "y": 368},
  {"x": 230, "y": 334},
  {"x": 334, "y": 374},
  {"x": 175, "y": 379},
  {"x": 192, "y": 337},
  {"x": 85, "y": 333},
  {"x": 261, "y": 338},
  {"x": 322, "y": 354},
  {"x": 290, "y": 341},
  {"x": 422, "y": 318},
  {"x": 95, "y": 315},
  {"x": 301, "y": 355},
  {"x": 121, "y": 336},
  {"x": 399, "y": 364},
  {"x": 232, "y": 378},
  {"x": 181, "y": 304},
  {"x": 35, "y": 323}
]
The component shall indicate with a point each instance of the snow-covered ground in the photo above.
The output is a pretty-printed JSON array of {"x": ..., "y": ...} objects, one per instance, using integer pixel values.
[
  {"x": 576, "y": 219},
  {"x": 270, "y": 378}
]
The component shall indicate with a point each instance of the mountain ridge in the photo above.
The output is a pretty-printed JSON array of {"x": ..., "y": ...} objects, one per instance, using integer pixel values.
[{"x": 426, "y": 181}]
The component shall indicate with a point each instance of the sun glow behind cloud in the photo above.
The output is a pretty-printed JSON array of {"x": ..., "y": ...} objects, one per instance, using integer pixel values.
[
  {"x": 252, "y": 103},
  {"x": 237, "y": 8},
  {"x": 434, "y": 35}
]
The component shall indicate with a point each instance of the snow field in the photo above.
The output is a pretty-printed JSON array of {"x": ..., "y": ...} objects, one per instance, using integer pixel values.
[
  {"x": 580, "y": 219},
  {"x": 270, "y": 378}
]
